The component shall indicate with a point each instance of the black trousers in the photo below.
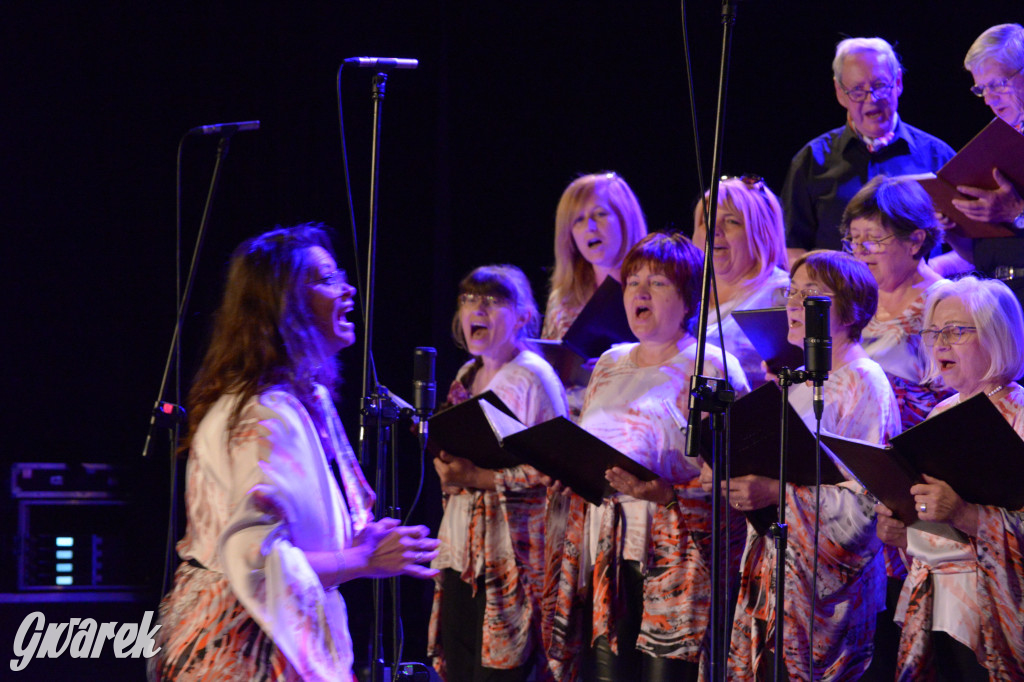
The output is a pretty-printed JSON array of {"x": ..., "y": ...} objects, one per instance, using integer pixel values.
[
  {"x": 461, "y": 630},
  {"x": 631, "y": 665},
  {"x": 955, "y": 662}
]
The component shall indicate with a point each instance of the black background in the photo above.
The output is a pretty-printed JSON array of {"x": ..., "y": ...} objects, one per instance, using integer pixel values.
[{"x": 510, "y": 103}]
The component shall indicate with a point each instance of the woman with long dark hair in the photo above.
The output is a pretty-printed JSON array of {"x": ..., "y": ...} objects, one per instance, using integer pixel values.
[{"x": 271, "y": 533}]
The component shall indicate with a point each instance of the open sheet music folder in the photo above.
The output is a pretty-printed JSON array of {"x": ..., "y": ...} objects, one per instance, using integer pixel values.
[
  {"x": 484, "y": 431},
  {"x": 970, "y": 446},
  {"x": 465, "y": 430},
  {"x": 601, "y": 324},
  {"x": 998, "y": 145},
  {"x": 755, "y": 438}
]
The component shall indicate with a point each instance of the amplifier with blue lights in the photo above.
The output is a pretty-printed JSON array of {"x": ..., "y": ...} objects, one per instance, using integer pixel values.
[{"x": 76, "y": 528}]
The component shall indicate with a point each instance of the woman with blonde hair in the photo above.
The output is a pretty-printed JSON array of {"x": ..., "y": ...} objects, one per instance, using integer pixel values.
[
  {"x": 597, "y": 221},
  {"x": 749, "y": 260}
]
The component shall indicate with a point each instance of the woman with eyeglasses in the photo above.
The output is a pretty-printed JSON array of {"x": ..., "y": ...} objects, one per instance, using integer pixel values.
[
  {"x": 890, "y": 226},
  {"x": 485, "y": 623},
  {"x": 749, "y": 261},
  {"x": 961, "y": 604},
  {"x": 850, "y": 579},
  {"x": 271, "y": 533},
  {"x": 597, "y": 221}
]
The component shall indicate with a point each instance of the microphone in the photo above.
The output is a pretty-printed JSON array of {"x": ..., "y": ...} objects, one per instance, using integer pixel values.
[
  {"x": 817, "y": 346},
  {"x": 225, "y": 128},
  {"x": 383, "y": 62},
  {"x": 424, "y": 389}
]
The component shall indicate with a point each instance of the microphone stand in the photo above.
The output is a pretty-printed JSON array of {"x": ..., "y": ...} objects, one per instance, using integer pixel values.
[
  {"x": 378, "y": 411},
  {"x": 167, "y": 414},
  {"x": 779, "y": 530},
  {"x": 709, "y": 394}
]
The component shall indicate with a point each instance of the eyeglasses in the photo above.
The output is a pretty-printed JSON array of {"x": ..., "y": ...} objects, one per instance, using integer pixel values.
[
  {"x": 999, "y": 86},
  {"x": 336, "y": 279},
  {"x": 486, "y": 301},
  {"x": 948, "y": 335},
  {"x": 876, "y": 92},
  {"x": 792, "y": 292},
  {"x": 869, "y": 245}
]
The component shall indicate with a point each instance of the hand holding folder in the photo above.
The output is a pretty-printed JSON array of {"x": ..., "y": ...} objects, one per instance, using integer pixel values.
[
  {"x": 970, "y": 446},
  {"x": 998, "y": 145},
  {"x": 485, "y": 432},
  {"x": 755, "y": 438}
]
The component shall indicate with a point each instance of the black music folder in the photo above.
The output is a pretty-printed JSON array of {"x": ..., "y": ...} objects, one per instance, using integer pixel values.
[
  {"x": 464, "y": 430},
  {"x": 754, "y": 448},
  {"x": 768, "y": 330},
  {"x": 601, "y": 324},
  {"x": 492, "y": 438},
  {"x": 970, "y": 446}
]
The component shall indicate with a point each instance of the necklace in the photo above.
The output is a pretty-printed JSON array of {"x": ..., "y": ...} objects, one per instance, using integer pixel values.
[{"x": 988, "y": 394}]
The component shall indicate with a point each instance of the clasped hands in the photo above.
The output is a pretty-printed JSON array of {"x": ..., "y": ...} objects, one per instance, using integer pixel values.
[{"x": 387, "y": 549}]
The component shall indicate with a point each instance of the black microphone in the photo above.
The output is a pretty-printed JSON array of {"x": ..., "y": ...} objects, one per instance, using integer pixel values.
[
  {"x": 817, "y": 346},
  {"x": 225, "y": 128},
  {"x": 383, "y": 62},
  {"x": 424, "y": 389}
]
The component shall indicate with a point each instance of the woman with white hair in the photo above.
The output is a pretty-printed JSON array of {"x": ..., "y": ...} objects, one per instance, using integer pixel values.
[
  {"x": 961, "y": 604},
  {"x": 749, "y": 260}
]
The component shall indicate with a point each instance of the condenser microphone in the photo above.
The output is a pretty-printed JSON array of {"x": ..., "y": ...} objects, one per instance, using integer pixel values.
[
  {"x": 817, "y": 346},
  {"x": 424, "y": 389},
  {"x": 225, "y": 128},
  {"x": 383, "y": 62}
]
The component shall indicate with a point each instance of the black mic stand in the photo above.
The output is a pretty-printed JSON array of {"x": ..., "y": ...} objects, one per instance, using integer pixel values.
[
  {"x": 378, "y": 411},
  {"x": 709, "y": 394},
  {"x": 817, "y": 365},
  {"x": 779, "y": 530},
  {"x": 171, "y": 415}
]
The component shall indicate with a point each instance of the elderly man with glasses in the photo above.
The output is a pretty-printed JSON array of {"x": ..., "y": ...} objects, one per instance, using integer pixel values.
[
  {"x": 996, "y": 61},
  {"x": 830, "y": 169}
]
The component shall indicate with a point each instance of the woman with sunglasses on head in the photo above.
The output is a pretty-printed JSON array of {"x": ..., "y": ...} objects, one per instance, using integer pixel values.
[
  {"x": 636, "y": 567},
  {"x": 485, "y": 623},
  {"x": 850, "y": 579},
  {"x": 961, "y": 604},
  {"x": 749, "y": 261},
  {"x": 270, "y": 533},
  {"x": 597, "y": 221}
]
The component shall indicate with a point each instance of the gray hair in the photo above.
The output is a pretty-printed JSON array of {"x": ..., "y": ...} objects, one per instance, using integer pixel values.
[
  {"x": 1003, "y": 43},
  {"x": 996, "y": 313},
  {"x": 850, "y": 46}
]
